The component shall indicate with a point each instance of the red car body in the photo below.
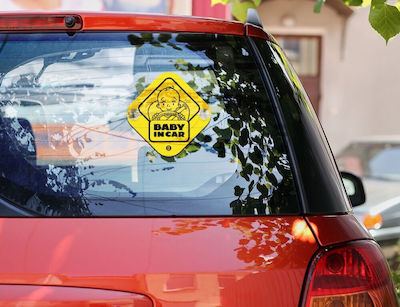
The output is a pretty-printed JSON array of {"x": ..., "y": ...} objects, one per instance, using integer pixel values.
[
  {"x": 169, "y": 261},
  {"x": 226, "y": 261}
]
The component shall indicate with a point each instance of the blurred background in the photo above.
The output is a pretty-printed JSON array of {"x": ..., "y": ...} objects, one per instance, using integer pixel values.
[{"x": 350, "y": 74}]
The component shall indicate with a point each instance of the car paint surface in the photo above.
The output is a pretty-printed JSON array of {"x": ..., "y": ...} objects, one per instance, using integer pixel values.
[
  {"x": 169, "y": 259},
  {"x": 333, "y": 229},
  {"x": 141, "y": 22}
]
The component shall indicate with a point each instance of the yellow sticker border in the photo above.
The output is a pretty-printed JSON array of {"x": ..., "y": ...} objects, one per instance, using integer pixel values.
[{"x": 172, "y": 147}]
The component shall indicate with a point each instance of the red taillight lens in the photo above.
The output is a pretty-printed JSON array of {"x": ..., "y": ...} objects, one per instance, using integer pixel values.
[
  {"x": 40, "y": 22},
  {"x": 354, "y": 275}
]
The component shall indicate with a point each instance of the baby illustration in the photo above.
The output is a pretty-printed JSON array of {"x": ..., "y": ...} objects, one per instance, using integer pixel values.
[{"x": 169, "y": 106}]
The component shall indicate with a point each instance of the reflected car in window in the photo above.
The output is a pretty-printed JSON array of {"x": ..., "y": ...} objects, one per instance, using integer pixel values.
[{"x": 169, "y": 161}]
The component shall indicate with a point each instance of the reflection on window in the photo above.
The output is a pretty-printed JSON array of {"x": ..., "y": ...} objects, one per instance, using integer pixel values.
[
  {"x": 226, "y": 280},
  {"x": 179, "y": 282},
  {"x": 67, "y": 149}
]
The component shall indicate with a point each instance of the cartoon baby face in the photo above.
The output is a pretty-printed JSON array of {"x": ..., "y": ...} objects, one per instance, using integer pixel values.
[{"x": 168, "y": 99}]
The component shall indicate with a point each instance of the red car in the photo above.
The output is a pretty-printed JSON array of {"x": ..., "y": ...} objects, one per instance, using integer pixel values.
[{"x": 169, "y": 161}]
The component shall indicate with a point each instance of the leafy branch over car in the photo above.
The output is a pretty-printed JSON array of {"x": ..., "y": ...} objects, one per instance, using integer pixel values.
[{"x": 383, "y": 17}]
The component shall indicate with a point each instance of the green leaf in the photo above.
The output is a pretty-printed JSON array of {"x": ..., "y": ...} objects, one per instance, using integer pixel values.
[
  {"x": 239, "y": 9},
  {"x": 224, "y": 2},
  {"x": 147, "y": 37},
  {"x": 181, "y": 155},
  {"x": 204, "y": 138},
  {"x": 257, "y": 2},
  {"x": 135, "y": 40},
  {"x": 208, "y": 88},
  {"x": 224, "y": 134},
  {"x": 174, "y": 46},
  {"x": 241, "y": 157},
  {"x": 385, "y": 19},
  {"x": 139, "y": 87},
  {"x": 353, "y": 2},
  {"x": 318, "y": 5},
  {"x": 247, "y": 171},
  {"x": 164, "y": 37},
  {"x": 157, "y": 44},
  {"x": 238, "y": 191},
  {"x": 244, "y": 137},
  {"x": 219, "y": 147},
  {"x": 272, "y": 179},
  {"x": 263, "y": 189},
  {"x": 168, "y": 159},
  {"x": 236, "y": 206},
  {"x": 366, "y": 3},
  {"x": 193, "y": 147},
  {"x": 234, "y": 150},
  {"x": 192, "y": 85},
  {"x": 235, "y": 124},
  {"x": 256, "y": 156},
  {"x": 251, "y": 186}
]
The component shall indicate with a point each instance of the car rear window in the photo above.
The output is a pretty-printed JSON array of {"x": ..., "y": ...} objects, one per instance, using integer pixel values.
[{"x": 72, "y": 144}]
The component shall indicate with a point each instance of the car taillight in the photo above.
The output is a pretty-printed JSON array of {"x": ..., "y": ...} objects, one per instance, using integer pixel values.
[
  {"x": 353, "y": 275},
  {"x": 372, "y": 221},
  {"x": 27, "y": 22}
]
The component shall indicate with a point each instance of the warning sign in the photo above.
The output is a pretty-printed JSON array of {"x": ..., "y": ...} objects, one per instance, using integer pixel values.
[{"x": 169, "y": 114}]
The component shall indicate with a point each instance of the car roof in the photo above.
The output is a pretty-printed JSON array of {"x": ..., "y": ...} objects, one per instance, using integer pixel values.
[{"x": 122, "y": 21}]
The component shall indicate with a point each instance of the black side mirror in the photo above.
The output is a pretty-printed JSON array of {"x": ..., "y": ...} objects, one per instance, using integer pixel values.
[{"x": 354, "y": 188}]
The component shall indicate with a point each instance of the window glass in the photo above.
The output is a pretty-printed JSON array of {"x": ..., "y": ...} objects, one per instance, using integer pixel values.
[
  {"x": 324, "y": 191},
  {"x": 67, "y": 148}
]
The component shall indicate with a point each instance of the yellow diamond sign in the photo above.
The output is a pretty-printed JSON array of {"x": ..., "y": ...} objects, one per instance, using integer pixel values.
[{"x": 169, "y": 114}]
